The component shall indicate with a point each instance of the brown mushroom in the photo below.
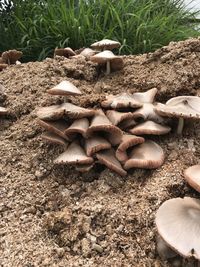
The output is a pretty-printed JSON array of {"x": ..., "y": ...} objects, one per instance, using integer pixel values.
[
  {"x": 94, "y": 144},
  {"x": 177, "y": 222},
  {"x": 146, "y": 112},
  {"x": 53, "y": 112},
  {"x": 123, "y": 100},
  {"x": 146, "y": 97},
  {"x": 64, "y": 52},
  {"x": 147, "y": 155},
  {"x": 75, "y": 112},
  {"x": 192, "y": 176},
  {"x": 79, "y": 126},
  {"x": 54, "y": 139},
  {"x": 58, "y": 127},
  {"x": 127, "y": 141},
  {"x": 73, "y": 155},
  {"x": 88, "y": 52},
  {"x": 100, "y": 123},
  {"x": 181, "y": 107},
  {"x": 64, "y": 88},
  {"x": 106, "y": 57},
  {"x": 107, "y": 157},
  {"x": 11, "y": 56},
  {"x": 150, "y": 127},
  {"x": 106, "y": 44},
  {"x": 118, "y": 117}
]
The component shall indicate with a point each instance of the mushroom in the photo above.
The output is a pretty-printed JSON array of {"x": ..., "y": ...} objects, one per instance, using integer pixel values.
[
  {"x": 146, "y": 112},
  {"x": 120, "y": 101},
  {"x": 53, "y": 112},
  {"x": 150, "y": 127},
  {"x": 105, "y": 44},
  {"x": 127, "y": 141},
  {"x": 3, "y": 111},
  {"x": 119, "y": 117},
  {"x": 192, "y": 176},
  {"x": 107, "y": 157},
  {"x": 146, "y": 97},
  {"x": 88, "y": 52},
  {"x": 54, "y": 139},
  {"x": 64, "y": 52},
  {"x": 11, "y": 56},
  {"x": 147, "y": 155},
  {"x": 75, "y": 112},
  {"x": 106, "y": 57},
  {"x": 100, "y": 123},
  {"x": 181, "y": 107},
  {"x": 58, "y": 127},
  {"x": 79, "y": 126},
  {"x": 94, "y": 144},
  {"x": 177, "y": 222},
  {"x": 74, "y": 154}
]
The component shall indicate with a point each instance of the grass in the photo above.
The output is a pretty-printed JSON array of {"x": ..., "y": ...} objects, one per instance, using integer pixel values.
[{"x": 37, "y": 27}]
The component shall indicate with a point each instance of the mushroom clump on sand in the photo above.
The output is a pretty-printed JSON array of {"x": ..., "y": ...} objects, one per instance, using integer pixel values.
[
  {"x": 177, "y": 222},
  {"x": 90, "y": 136},
  {"x": 9, "y": 57}
]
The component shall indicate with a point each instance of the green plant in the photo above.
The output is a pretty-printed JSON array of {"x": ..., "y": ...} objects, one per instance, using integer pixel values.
[{"x": 37, "y": 27}]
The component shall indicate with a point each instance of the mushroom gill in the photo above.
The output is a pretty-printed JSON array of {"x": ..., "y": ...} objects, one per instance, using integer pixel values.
[
  {"x": 53, "y": 112},
  {"x": 146, "y": 112},
  {"x": 94, "y": 144},
  {"x": 117, "y": 117},
  {"x": 150, "y": 127},
  {"x": 75, "y": 112},
  {"x": 147, "y": 155},
  {"x": 100, "y": 123},
  {"x": 54, "y": 139},
  {"x": 79, "y": 126}
]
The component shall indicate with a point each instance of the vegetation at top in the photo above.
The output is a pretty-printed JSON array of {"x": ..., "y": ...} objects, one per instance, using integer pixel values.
[{"x": 36, "y": 27}]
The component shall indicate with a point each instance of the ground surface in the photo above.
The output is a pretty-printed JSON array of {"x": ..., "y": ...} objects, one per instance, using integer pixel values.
[{"x": 54, "y": 216}]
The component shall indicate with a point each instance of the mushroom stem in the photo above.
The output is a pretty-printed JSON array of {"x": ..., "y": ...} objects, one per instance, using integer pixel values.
[
  {"x": 108, "y": 67},
  {"x": 180, "y": 126},
  {"x": 65, "y": 99}
]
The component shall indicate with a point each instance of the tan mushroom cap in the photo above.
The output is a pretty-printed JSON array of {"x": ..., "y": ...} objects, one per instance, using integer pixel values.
[
  {"x": 58, "y": 127},
  {"x": 117, "y": 117},
  {"x": 106, "y": 44},
  {"x": 73, "y": 155},
  {"x": 3, "y": 111},
  {"x": 177, "y": 222},
  {"x": 150, "y": 127},
  {"x": 192, "y": 176},
  {"x": 54, "y": 139},
  {"x": 79, "y": 126},
  {"x": 11, "y": 56},
  {"x": 100, "y": 123},
  {"x": 146, "y": 97},
  {"x": 123, "y": 100},
  {"x": 64, "y": 88},
  {"x": 64, "y": 52},
  {"x": 53, "y": 112},
  {"x": 147, "y": 155},
  {"x": 75, "y": 112},
  {"x": 127, "y": 141},
  {"x": 88, "y": 52},
  {"x": 127, "y": 124},
  {"x": 146, "y": 112},
  {"x": 107, "y": 157},
  {"x": 94, "y": 144},
  {"x": 180, "y": 107}
]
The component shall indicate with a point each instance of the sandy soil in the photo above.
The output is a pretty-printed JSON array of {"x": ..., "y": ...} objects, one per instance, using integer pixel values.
[{"x": 56, "y": 217}]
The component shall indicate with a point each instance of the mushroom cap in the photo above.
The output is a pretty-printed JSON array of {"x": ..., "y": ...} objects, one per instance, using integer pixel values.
[
  {"x": 65, "y": 52},
  {"x": 177, "y": 222},
  {"x": 146, "y": 97},
  {"x": 106, "y": 44},
  {"x": 192, "y": 176},
  {"x": 75, "y": 112},
  {"x": 147, "y": 155},
  {"x": 146, "y": 112},
  {"x": 3, "y": 111},
  {"x": 11, "y": 56},
  {"x": 100, "y": 123},
  {"x": 117, "y": 117},
  {"x": 54, "y": 139},
  {"x": 58, "y": 127},
  {"x": 180, "y": 107},
  {"x": 107, "y": 157},
  {"x": 79, "y": 126},
  {"x": 73, "y": 155},
  {"x": 127, "y": 124},
  {"x": 53, "y": 112},
  {"x": 88, "y": 52},
  {"x": 64, "y": 88},
  {"x": 94, "y": 144},
  {"x": 150, "y": 127},
  {"x": 127, "y": 141},
  {"x": 105, "y": 56},
  {"x": 123, "y": 100}
]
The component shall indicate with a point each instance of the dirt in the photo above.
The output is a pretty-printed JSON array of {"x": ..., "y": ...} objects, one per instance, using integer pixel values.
[{"x": 53, "y": 216}]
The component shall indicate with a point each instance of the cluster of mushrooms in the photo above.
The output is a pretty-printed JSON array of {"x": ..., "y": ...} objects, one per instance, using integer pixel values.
[
  {"x": 100, "y": 52},
  {"x": 9, "y": 57},
  {"x": 178, "y": 225}
]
